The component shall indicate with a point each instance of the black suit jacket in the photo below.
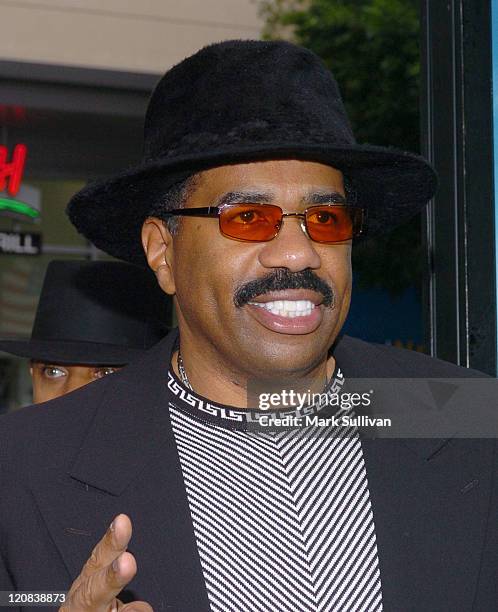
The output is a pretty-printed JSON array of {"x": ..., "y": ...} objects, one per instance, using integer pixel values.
[{"x": 69, "y": 466}]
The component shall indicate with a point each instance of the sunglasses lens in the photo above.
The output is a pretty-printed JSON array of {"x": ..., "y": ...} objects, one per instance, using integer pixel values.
[
  {"x": 250, "y": 222},
  {"x": 332, "y": 223}
]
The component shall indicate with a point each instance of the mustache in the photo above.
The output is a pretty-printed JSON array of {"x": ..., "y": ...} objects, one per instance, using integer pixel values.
[{"x": 282, "y": 279}]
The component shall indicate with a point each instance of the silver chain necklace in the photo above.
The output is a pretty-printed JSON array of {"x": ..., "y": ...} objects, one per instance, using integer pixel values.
[{"x": 182, "y": 372}]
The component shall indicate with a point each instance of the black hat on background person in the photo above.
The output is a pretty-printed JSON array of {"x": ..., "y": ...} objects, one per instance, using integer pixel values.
[
  {"x": 207, "y": 112},
  {"x": 94, "y": 312}
]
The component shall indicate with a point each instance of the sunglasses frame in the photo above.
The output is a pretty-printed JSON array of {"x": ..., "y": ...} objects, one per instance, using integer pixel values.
[{"x": 216, "y": 211}]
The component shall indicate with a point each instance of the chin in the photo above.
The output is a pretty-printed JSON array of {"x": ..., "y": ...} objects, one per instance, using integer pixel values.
[{"x": 282, "y": 359}]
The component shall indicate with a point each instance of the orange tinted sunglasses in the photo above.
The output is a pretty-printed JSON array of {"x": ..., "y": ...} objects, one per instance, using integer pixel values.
[{"x": 325, "y": 223}]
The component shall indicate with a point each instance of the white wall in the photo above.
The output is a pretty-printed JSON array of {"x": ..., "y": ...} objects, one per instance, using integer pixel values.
[{"x": 132, "y": 35}]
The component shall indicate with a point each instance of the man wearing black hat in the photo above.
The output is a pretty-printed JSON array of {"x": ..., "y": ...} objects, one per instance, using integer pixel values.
[
  {"x": 91, "y": 320},
  {"x": 250, "y": 194}
]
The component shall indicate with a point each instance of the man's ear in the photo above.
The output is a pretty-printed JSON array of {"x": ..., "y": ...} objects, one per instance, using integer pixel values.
[{"x": 157, "y": 242}]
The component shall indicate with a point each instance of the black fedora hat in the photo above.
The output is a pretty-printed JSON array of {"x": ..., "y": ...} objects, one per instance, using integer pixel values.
[
  {"x": 94, "y": 313},
  {"x": 239, "y": 101}
]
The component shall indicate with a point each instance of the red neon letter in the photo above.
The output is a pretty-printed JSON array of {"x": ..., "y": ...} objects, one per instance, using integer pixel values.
[{"x": 13, "y": 170}]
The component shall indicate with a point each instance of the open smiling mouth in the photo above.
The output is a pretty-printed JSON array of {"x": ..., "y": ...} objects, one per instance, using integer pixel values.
[
  {"x": 287, "y": 308},
  {"x": 287, "y": 302},
  {"x": 288, "y": 316}
]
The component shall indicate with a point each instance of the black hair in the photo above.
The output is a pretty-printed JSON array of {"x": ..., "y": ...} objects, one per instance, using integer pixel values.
[{"x": 173, "y": 197}]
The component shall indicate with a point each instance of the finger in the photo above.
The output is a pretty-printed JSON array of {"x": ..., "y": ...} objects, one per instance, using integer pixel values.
[
  {"x": 98, "y": 591},
  {"x": 137, "y": 606},
  {"x": 114, "y": 542}
]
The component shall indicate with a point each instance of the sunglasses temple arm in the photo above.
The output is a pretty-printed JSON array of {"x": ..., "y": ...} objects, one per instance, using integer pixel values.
[
  {"x": 210, "y": 211},
  {"x": 363, "y": 221}
]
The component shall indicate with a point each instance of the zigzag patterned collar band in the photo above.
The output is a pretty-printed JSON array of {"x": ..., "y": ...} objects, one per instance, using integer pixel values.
[{"x": 326, "y": 406}]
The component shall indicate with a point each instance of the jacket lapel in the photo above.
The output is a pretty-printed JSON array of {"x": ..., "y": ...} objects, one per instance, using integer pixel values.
[{"x": 128, "y": 463}]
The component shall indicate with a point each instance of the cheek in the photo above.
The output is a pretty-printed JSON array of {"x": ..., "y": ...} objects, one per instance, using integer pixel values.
[
  {"x": 336, "y": 266},
  {"x": 206, "y": 272},
  {"x": 44, "y": 390}
]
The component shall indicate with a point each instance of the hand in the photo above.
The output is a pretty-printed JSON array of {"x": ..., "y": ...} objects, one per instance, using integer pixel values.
[{"x": 108, "y": 570}]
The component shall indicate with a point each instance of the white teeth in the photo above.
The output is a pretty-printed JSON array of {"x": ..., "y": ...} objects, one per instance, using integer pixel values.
[{"x": 288, "y": 308}]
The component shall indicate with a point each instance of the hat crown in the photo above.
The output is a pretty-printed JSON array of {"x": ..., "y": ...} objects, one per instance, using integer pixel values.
[
  {"x": 100, "y": 302},
  {"x": 237, "y": 91}
]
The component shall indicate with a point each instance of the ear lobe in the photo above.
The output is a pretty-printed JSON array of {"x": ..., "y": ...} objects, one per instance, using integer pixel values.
[
  {"x": 155, "y": 239},
  {"x": 157, "y": 243}
]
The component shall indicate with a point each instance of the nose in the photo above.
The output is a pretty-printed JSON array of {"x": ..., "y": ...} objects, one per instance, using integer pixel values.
[
  {"x": 77, "y": 380},
  {"x": 291, "y": 249}
]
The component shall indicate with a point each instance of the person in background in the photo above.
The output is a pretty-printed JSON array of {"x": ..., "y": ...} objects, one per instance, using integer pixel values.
[
  {"x": 51, "y": 380},
  {"x": 91, "y": 321}
]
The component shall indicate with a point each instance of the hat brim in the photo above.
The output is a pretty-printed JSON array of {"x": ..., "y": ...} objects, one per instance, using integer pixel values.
[
  {"x": 66, "y": 352},
  {"x": 392, "y": 185}
]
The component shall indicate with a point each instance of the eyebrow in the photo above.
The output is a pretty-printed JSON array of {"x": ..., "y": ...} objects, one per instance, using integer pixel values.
[
  {"x": 329, "y": 197},
  {"x": 239, "y": 197},
  {"x": 253, "y": 196}
]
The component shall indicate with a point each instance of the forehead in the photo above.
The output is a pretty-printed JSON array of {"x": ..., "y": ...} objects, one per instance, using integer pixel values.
[{"x": 275, "y": 176}]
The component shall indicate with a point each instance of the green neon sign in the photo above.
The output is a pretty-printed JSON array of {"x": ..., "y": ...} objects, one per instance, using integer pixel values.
[{"x": 18, "y": 207}]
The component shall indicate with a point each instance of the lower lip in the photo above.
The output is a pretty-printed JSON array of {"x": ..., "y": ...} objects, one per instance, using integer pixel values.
[{"x": 287, "y": 325}]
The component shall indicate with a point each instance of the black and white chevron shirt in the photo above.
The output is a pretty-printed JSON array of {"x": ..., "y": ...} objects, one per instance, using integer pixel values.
[{"x": 282, "y": 519}]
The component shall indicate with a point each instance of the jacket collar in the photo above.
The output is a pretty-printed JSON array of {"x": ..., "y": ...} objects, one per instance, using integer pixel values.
[
  {"x": 115, "y": 429},
  {"x": 360, "y": 359}
]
